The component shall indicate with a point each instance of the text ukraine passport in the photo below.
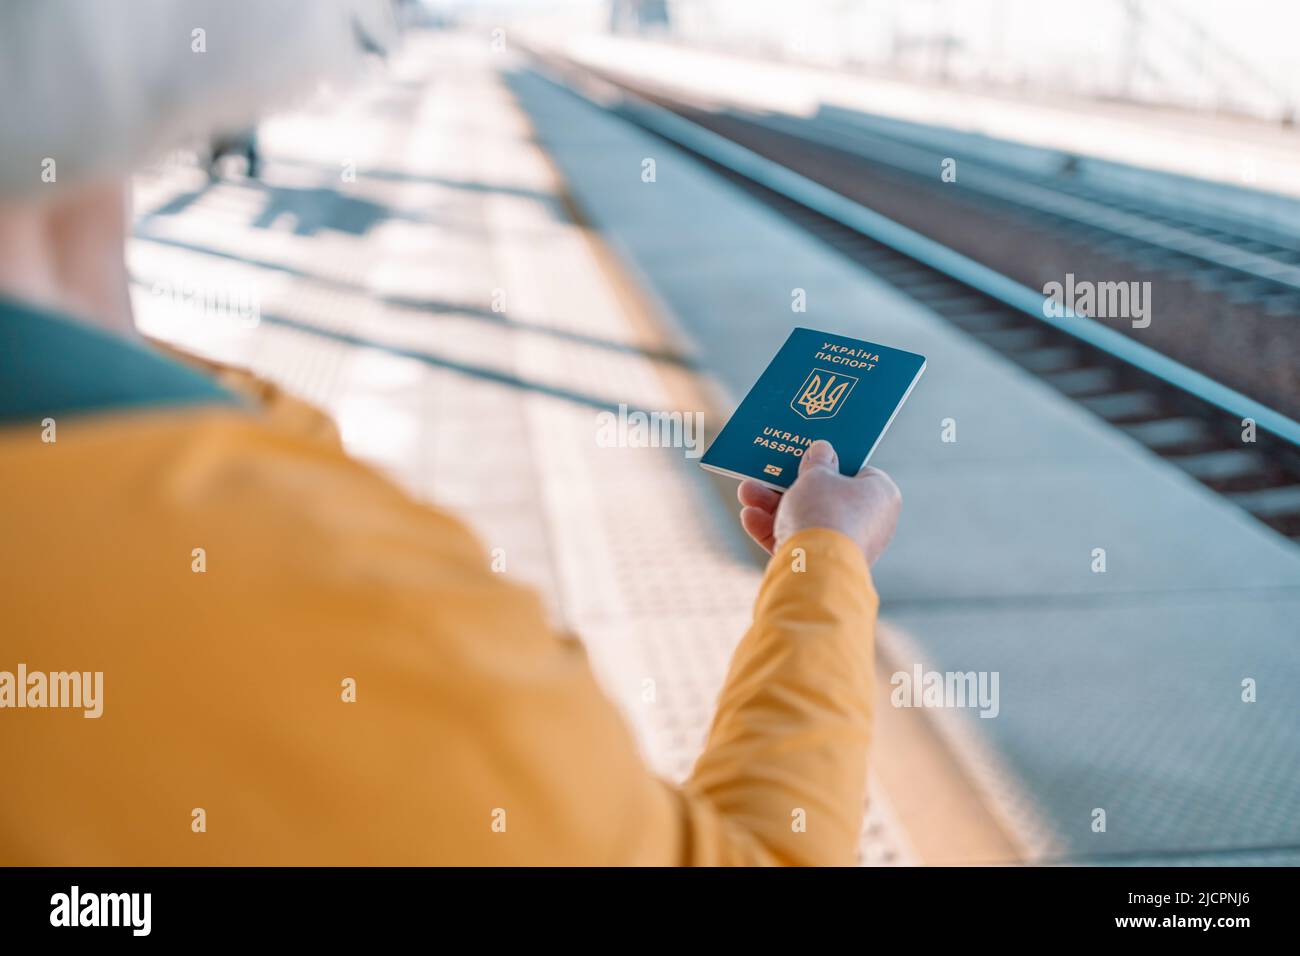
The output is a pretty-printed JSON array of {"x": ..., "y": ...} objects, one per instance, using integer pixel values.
[{"x": 818, "y": 386}]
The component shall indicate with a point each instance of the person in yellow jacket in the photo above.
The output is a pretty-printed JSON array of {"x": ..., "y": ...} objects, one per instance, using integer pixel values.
[{"x": 206, "y": 723}]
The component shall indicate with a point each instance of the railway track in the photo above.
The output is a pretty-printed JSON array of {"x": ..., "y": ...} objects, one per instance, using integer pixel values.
[
  {"x": 1176, "y": 412},
  {"x": 1248, "y": 262}
]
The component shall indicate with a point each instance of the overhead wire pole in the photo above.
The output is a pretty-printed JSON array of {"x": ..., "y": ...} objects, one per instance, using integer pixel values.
[{"x": 1135, "y": 21}]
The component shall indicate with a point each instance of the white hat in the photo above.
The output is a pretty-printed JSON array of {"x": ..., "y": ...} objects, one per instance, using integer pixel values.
[{"x": 98, "y": 86}]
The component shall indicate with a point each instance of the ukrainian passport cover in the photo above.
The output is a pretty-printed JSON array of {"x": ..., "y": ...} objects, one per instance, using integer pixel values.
[{"x": 819, "y": 386}]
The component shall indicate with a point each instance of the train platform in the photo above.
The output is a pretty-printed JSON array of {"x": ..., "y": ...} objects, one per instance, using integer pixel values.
[
  {"x": 482, "y": 274},
  {"x": 1121, "y": 688}
]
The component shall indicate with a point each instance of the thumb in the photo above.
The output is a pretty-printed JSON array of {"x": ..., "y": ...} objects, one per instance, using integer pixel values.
[{"x": 820, "y": 454}]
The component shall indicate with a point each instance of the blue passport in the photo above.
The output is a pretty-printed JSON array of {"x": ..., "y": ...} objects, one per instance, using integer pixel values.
[{"x": 819, "y": 386}]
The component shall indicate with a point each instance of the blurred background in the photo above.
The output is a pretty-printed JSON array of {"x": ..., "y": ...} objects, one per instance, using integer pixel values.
[
  {"x": 535, "y": 219},
  {"x": 1191, "y": 54}
]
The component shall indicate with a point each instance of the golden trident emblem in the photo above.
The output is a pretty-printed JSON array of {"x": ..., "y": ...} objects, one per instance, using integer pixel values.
[{"x": 822, "y": 393}]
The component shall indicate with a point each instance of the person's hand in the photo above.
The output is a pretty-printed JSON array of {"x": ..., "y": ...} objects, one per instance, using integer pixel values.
[{"x": 864, "y": 507}]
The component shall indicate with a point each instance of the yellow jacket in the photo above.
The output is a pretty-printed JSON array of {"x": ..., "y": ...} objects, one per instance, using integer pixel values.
[{"x": 477, "y": 735}]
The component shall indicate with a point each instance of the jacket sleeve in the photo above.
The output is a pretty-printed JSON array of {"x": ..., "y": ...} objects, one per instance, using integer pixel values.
[
  {"x": 782, "y": 777},
  {"x": 483, "y": 738}
]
